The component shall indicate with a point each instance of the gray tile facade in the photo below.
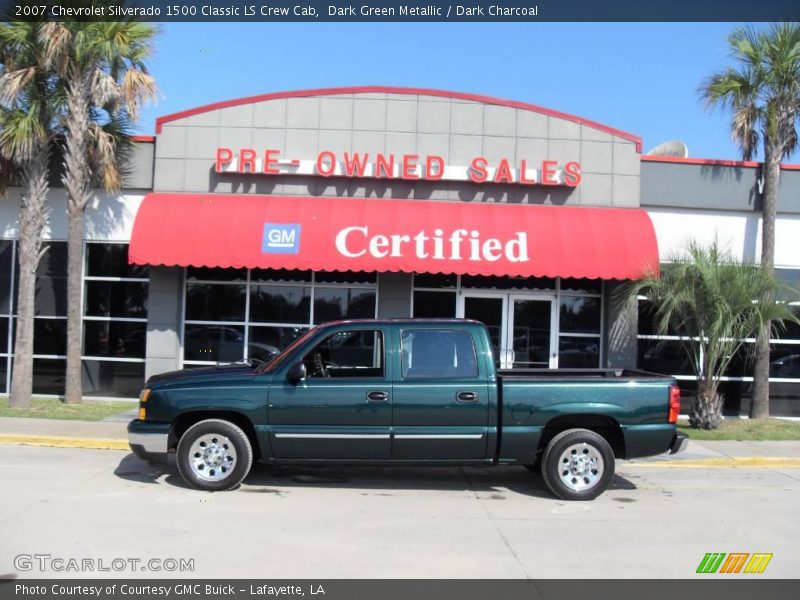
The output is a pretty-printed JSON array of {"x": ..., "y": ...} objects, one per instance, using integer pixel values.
[{"x": 456, "y": 129}]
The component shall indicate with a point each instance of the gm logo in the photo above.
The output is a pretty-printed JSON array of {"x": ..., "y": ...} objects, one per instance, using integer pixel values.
[{"x": 281, "y": 238}]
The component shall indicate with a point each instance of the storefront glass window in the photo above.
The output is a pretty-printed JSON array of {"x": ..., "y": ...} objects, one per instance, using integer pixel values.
[
  {"x": 118, "y": 339},
  {"x": 579, "y": 314},
  {"x": 122, "y": 379},
  {"x": 267, "y": 311},
  {"x": 111, "y": 260},
  {"x": 435, "y": 281},
  {"x": 348, "y": 277},
  {"x": 507, "y": 283},
  {"x": 279, "y": 276},
  {"x": 331, "y": 304},
  {"x": 215, "y": 343},
  {"x": 51, "y": 281},
  {"x": 4, "y": 339},
  {"x": 578, "y": 352},
  {"x": 49, "y": 336},
  {"x": 577, "y": 335},
  {"x": 49, "y": 375},
  {"x": 280, "y": 303},
  {"x": 666, "y": 354},
  {"x": 215, "y": 274},
  {"x": 586, "y": 286},
  {"x": 434, "y": 305},
  {"x": 266, "y": 341},
  {"x": 215, "y": 302},
  {"x": 116, "y": 299},
  {"x": 6, "y": 262},
  {"x": 115, "y": 322}
]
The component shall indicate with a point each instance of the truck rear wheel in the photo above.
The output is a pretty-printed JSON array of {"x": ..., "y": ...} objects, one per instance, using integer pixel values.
[
  {"x": 214, "y": 455},
  {"x": 578, "y": 464}
]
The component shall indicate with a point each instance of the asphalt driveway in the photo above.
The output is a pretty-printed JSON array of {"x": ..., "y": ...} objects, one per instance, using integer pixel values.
[{"x": 390, "y": 522}]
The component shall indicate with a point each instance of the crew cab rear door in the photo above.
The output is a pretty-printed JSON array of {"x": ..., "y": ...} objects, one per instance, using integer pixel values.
[{"x": 440, "y": 395}]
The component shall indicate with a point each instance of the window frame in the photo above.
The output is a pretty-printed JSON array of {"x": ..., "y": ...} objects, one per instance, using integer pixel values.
[
  {"x": 247, "y": 323},
  {"x": 11, "y": 317}
]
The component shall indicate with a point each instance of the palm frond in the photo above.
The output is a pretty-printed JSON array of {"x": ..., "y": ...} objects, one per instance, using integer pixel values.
[
  {"x": 22, "y": 131},
  {"x": 55, "y": 37},
  {"x": 714, "y": 302},
  {"x": 762, "y": 90},
  {"x": 14, "y": 83},
  {"x": 138, "y": 87},
  {"x": 104, "y": 90}
]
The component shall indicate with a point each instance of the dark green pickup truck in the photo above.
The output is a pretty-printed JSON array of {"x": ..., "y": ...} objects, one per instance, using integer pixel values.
[{"x": 405, "y": 391}]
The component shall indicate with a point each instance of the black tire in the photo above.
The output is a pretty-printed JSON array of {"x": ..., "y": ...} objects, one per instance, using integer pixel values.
[
  {"x": 588, "y": 479},
  {"x": 225, "y": 436}
]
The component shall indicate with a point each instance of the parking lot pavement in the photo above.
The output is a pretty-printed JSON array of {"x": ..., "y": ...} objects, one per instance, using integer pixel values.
[{"x": 390, "y": 522}]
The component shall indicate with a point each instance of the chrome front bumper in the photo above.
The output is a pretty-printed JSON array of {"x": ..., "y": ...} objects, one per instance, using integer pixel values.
[{"x": 152, "y": 446}]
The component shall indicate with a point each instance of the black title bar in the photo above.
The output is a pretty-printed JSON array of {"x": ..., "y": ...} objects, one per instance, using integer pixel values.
[
  {"x": 739, "y": 588},
  {"x": 376, "y": 11}
]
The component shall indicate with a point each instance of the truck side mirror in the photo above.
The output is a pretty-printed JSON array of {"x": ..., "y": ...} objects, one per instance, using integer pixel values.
[{"x": 296, "y": 373}]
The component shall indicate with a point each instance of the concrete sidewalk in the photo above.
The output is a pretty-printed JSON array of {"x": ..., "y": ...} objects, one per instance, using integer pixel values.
[
  {"x": 63, "y": 428},
  {"x": 112, "y": 434}
]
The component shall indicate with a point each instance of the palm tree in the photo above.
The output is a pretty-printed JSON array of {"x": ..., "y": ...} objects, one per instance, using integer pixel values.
[
  {"x": 713, "y": 303},
  {"x": 763, "y": 93},
  {"x": 106, "y": 81},
  {"x": 28, "y": 103}
]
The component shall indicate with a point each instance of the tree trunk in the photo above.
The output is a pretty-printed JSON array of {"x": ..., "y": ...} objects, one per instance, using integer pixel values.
[
  {"x": 76, "y": 181},
  {"x": 759, "y": 406},
  {"x": 73, "y": 392},
  {"x": 707, "y": 406},
  {"x": 32, "y": 219}
]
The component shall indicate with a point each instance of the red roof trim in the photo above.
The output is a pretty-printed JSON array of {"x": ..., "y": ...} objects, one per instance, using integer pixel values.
[
  {"x": 381, "y": 89},
  {"x": 714, "y": 162},
  {"x": 144, "y": 138}
]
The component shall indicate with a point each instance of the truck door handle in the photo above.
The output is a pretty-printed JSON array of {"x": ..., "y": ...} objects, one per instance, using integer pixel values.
[
  {"x": 377, "y": 396},
  {"x": 466, "y": 396}
]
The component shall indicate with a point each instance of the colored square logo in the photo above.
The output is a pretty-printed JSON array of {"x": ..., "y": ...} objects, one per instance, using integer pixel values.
[{"x": 281, "y": 238}]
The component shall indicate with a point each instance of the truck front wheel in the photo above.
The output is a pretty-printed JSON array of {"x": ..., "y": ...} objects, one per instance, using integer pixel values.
[
  {"x": 214, "y": 455},
  {"x": 578, "y": 464}
]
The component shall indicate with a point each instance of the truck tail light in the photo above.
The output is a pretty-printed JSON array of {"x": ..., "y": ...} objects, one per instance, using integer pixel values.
[{"x": 674, "y": 404}]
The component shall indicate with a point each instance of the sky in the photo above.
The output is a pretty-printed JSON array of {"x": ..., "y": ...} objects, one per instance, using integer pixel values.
[{"x": 642, "y": 78}]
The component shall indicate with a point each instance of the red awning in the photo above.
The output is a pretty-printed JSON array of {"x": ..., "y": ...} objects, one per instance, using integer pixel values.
[{"x": 412, "y": 236}]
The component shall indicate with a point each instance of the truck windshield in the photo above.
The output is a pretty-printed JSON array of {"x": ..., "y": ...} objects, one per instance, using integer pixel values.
[{"x": 271, "y": 365}]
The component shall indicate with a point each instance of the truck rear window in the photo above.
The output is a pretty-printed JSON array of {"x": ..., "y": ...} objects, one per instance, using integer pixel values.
[{"x": 437, "y": 354}]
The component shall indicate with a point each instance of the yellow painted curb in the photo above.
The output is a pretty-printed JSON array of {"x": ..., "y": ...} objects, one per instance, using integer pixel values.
[
  {"x": 747, "y": 462},
  {"x": 63, "y": 442}
]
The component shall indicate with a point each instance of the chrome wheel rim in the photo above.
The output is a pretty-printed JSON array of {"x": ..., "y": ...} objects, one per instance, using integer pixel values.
[
  {"x": 580, "y": 467},
  {"x": 212, "y": 457}
]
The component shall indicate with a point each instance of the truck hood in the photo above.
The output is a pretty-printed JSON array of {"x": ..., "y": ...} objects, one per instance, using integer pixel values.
[{"x": 220, "y": 373}]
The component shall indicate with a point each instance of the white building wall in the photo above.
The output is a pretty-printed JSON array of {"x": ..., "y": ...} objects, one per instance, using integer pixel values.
[
  {"x": 739, "y": 232},
  {"x": 108, "y": 218}
]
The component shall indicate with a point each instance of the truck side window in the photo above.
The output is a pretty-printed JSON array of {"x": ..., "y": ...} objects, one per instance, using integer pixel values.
[
  {"x": 354, "y": 353},
  {"x": 438, "y": 354}
]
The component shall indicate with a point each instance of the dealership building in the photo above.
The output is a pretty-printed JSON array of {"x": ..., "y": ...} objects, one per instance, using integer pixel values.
[{"x": 245, "y": 222}]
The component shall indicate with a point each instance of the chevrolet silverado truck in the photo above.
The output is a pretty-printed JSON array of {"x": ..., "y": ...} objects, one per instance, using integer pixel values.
[{"x": 404, "y": 392}]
